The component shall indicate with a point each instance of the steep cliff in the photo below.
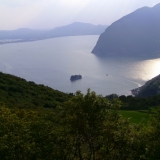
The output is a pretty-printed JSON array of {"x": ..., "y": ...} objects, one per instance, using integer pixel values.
[{"x": 135, "y": 33}]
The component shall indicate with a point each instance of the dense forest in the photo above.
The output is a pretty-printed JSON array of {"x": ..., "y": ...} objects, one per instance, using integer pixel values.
[
  {"x": 37, "y": 123},
  {"x": 17, "y": 92},
  {"x": 136, "y": 103}
]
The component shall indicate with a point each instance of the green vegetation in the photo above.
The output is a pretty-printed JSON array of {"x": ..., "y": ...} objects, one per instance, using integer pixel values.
[
  {"x": 150, "y": 88},
  {"x": 136, "y": 116},
  {"x": 138, "y": 103},
  {"x": 78, "y": 127},
  {"x": 17, "y": 92}
]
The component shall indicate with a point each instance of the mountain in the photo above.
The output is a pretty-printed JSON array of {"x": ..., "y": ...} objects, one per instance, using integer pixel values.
[
  {"x": 150, "y": 88},
  {"x": 22, "y": 33},
  {"x": 77, "y": 28},
  {"x": 74, "y": 29},
  {"x": 135, "y": 33}
]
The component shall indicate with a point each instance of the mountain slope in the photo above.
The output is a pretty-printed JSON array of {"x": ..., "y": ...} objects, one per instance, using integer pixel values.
[
  {"x": 135, "y": 33},
  {"x": 150, "y": 88},
  {"x": 78, "y": 28},
  {"x": 17, "y": 92}
]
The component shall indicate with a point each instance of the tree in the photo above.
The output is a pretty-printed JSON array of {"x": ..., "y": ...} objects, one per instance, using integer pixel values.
[
  {"x": 153, "y": 136},
  {"x": 91, "y": 128}
]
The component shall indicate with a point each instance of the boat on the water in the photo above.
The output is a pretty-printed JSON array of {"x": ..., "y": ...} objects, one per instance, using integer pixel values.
[{"x": 75, "y": 77}]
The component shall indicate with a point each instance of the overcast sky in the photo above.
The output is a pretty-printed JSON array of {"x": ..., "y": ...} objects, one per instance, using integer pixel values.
[{"x": 47, "y": 14}]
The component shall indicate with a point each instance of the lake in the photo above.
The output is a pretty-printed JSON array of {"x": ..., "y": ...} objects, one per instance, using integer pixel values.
[{"x": 52, "y": 61}]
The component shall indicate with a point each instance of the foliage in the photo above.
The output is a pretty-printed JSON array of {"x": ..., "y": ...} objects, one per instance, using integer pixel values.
[
  {"x": 136, "y": 103},
  {"x": 18, "y": 92},
  {"x": 154, "y": 139},
  {"x": 80, "y": 127},
  {"x": 26, "y": 134},
  {"x": 92, "y": 129},
  {"x": 85, "y": 127}
]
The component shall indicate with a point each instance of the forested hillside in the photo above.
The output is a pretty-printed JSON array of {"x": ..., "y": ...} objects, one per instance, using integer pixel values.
[
  {"x": 149, "y": 89},
  {"x": 72, "y": 127},
  {"x": 17, "y": 92}
]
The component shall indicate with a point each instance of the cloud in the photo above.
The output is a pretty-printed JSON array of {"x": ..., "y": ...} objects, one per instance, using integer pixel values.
[{"x": 52, "y": 13}]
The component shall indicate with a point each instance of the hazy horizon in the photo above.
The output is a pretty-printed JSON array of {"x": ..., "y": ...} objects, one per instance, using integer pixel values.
[{"x": 48, "y": 14}]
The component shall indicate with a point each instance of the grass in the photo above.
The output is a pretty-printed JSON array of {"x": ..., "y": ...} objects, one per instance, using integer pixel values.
[{"x": 136, "y": 116}]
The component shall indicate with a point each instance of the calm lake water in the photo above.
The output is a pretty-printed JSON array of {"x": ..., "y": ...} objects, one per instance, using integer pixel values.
[{"x": 51, "y": 62}]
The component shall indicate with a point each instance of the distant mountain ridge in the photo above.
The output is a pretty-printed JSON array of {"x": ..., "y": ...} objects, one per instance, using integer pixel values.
[
  {"x": 78, "y": 28},
  {"x": 135, "y": 33},
  {"x": 74, "y": 29}
]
